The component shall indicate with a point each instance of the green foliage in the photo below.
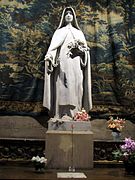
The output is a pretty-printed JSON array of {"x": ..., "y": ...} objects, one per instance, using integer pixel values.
[
  {"x": 5, "y": 73},
  {"x": 5, "y": 20},
  {"x": 27, "y": 50},
  {"x": 117, "y": 154}
]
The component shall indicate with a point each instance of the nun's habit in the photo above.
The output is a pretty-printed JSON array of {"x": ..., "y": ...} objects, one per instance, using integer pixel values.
[{"x": 67, "y": 86}]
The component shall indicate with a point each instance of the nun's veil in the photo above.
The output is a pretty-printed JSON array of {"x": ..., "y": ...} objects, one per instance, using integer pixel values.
[{"x": 62, "y": 21}]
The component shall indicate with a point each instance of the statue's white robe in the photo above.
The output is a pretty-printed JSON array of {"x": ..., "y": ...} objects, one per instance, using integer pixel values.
[{"x": 69, "y": 84}]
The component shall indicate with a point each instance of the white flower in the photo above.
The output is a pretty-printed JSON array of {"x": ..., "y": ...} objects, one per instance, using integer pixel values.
[
  {"x": 40, "y": 160},
  {"x": 37, "y": 158},
  {"x": 33, "y": 158},
  {"x": 43, "y": 160},
  {"x": 125, "y": 154}
]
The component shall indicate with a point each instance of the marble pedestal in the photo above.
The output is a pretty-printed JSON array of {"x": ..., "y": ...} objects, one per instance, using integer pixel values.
[{"x": 72, "y": 147}]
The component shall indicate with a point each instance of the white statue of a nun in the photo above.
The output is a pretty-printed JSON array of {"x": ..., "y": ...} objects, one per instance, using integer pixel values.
[{"x": 67, "y": 86}]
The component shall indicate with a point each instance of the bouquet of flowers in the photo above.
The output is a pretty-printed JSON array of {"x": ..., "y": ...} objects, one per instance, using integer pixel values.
[
  {"x": 39, "y": 162},
  {"x": 116, "y": 125},
  {"x": 77, "y": 48},
  {"x": 126, "y": 153},
  {"x": 82, "y": 116}
]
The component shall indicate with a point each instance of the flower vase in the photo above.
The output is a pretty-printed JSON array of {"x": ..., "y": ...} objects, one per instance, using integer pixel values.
[
  {"x": 116, "y": 136},
  {"x": 39, "y": 167}
]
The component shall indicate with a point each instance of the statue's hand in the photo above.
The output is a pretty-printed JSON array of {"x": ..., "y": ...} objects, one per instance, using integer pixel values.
[
  {"x": 48, "y": 57},
  {"x": 47, "y": 63}
]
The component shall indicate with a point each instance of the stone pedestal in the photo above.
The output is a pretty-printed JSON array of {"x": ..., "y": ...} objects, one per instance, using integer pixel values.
[
  {"x": 69, "y": 148},
  {"x": 66, "y": 125}
]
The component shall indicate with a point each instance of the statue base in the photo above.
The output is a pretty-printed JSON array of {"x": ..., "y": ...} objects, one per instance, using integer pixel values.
[
  {"x": 66, "y": 149},
  {"x": 68, "y": 124}
]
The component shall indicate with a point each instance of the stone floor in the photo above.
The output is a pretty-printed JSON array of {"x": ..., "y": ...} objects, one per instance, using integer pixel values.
[{"x": 23, "y": 172}]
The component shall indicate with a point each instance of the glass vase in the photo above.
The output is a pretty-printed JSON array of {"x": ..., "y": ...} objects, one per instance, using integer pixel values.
[{"x": 116, "y": 136}]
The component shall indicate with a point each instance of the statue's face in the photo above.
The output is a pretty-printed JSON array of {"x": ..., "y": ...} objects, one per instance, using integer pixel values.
[{"x": 68, "y": 16}]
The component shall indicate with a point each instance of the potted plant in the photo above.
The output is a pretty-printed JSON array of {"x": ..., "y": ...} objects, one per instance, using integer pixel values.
[
  {"x": 39, "y": 163},
  {"x": 126, "y": 153},
  {"x": 116, "y": 125}
]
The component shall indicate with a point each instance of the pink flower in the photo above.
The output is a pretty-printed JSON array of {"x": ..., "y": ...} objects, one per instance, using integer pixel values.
[
  {"x": 81, "y": 116},
  {"x": 129, "y": 145}
]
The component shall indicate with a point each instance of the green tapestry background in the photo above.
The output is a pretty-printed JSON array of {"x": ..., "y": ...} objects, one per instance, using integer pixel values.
[{"x": 26, "y": 29}]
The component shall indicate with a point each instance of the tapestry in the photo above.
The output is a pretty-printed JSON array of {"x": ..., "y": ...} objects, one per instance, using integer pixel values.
[{"x": 26, "y": 29}]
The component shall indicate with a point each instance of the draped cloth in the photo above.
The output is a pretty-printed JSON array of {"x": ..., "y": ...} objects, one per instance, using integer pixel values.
[{"x": 67, "y": 87}]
